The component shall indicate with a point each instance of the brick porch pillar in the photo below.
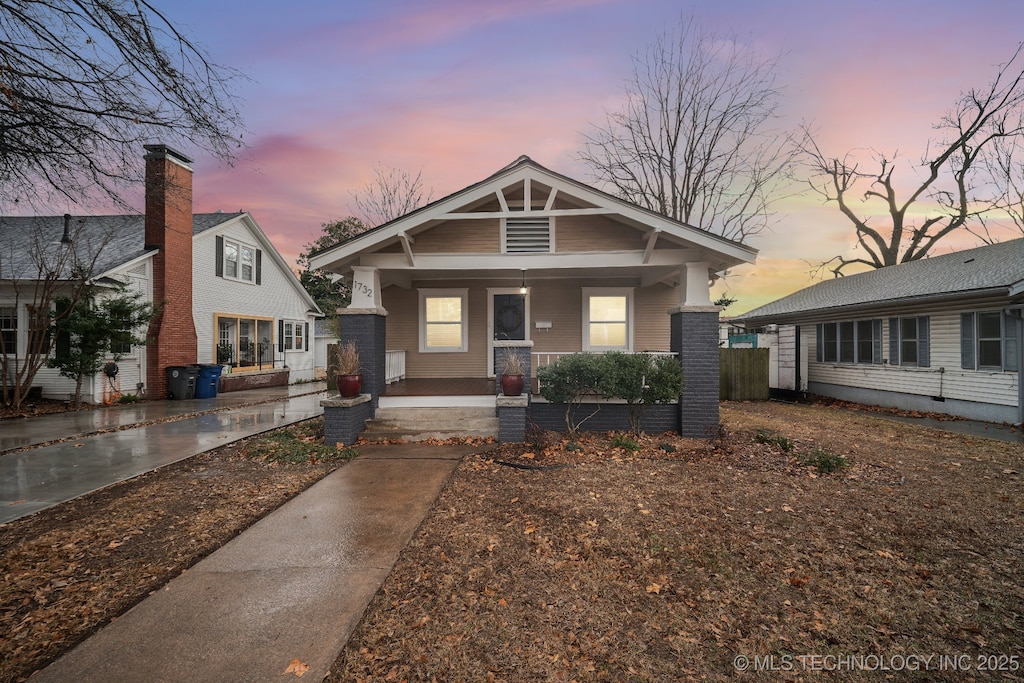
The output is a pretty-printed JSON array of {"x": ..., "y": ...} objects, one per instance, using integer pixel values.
[
  {"x": 694, "y": 337},
  {"x": 367, "y": 328}
]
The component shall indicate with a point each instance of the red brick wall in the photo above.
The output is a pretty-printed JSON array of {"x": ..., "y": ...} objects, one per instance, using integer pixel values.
[{"x": 169, "y": 228}]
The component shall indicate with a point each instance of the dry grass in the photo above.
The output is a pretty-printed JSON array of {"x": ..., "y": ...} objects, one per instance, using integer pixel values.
[{"x": 657, "y": 566}]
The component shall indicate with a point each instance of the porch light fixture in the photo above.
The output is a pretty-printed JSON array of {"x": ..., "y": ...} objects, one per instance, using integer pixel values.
[{"x": 522, "y": 287}]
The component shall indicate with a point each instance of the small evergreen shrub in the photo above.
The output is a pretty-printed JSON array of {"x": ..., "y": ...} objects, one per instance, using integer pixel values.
[
  {"x": 824, "y": 460},
  {"x": 626, "y": 443}
]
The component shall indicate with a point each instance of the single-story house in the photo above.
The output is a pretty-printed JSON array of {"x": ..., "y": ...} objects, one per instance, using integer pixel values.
[
  {"x": 941, "y": 334},
  {"x": 531, "y": 259},
  {"x": 227, "y": 296}
]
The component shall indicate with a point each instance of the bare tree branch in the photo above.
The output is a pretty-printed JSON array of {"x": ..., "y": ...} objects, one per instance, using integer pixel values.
[
  {"x": 85, "y": 83},
  {"x": 968, "y": 178},
  {"x": 393, "y": 193},
  {"x": 693, "y": 140}
]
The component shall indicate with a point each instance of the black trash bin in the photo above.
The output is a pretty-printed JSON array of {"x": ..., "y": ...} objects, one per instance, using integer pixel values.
[
  {"x": 209, "y": 378},
  {"x": 181, "y": 382}
]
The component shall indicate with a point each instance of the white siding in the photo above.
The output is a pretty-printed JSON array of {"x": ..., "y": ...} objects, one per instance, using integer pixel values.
[
  {"x": 275, "y": 297},
  {"x": 944, "y": 378}
]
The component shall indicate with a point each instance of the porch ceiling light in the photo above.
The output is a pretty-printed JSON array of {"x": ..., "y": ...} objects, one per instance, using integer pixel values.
[{"x": 522, "y": 287}]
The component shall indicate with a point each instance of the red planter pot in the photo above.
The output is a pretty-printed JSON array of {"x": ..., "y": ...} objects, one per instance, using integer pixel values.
[
  {"x": 349, "y": 386},
  {"x": 512, "y": 385}
]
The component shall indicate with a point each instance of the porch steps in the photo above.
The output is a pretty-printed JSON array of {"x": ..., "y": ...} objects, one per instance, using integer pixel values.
[{"x": 422, "y": 423}]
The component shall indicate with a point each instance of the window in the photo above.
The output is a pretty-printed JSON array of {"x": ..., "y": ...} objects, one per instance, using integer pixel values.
[
  {"x": 237, "y": 261},
  {"x": 121, "y": 341},
  {"x": 988, "y": 341},
  {"x": 443, "y": 320},
  {"x": 245, "y": 343},
  {"x": 909, "y": 341},
  {"x": 294, "y": 335},
  {"x": 528, "y": 235},
  {"x": 850, "y": 342},
  {"x": 8, "y": 329},
  {"x": 607, "y": 323},
  {"x": 38, "y": 330}
]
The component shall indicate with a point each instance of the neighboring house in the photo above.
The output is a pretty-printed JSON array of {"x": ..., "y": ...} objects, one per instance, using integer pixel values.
[
  {"x": 529, "y": 258},
  {"x": 325, "y": 332},
  {"x": 941, "y": 334},
  {"x": 221, "y": 284}
]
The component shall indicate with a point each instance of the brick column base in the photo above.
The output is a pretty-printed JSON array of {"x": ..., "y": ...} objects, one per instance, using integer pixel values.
[
  {"x": 512, "y": 418},
  {"x": 345, "y": 418},
  {"x": 367, "y": 327},
  {"x": 694, "y": 336}
]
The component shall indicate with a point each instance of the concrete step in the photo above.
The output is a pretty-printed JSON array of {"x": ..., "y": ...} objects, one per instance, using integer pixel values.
[{"x": 420, "y": 424}]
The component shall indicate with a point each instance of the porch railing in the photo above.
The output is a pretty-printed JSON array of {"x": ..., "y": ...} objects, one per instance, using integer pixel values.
[{"x": 394, "y": 366}]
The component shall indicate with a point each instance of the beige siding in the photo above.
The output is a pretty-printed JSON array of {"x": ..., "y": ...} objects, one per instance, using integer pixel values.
[
  {"x": 944, "y": 377},
  {"x": 594, "y": 233},
  {"x": 473, "y": 236},
  {"x": 559, "y": 302}
]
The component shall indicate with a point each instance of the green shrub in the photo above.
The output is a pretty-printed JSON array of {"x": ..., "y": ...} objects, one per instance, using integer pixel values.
[
  {"x": 667, "y": 447},
  {"x": 568, "y": 380},
  {"x": 573, "y": 447},
  {"x": 303, "y": 442},
  {"x": 780, "y": 442},
  {"x": 625, "y": 443},
  {"x": 826, "y": 461},
  {"x": 641, "y": 379}
]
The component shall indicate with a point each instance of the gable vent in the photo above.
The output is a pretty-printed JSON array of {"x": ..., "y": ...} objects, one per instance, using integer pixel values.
[{"x": 528, "y": 235}]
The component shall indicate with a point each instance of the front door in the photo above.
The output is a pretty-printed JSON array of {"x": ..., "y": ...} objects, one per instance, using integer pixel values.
[
  {"x": 509, "y": 317},
  {"x": 508, "y": 320}
]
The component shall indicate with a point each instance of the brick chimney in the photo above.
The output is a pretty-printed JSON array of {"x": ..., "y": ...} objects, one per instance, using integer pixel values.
[{"x": 169, "y": 229}]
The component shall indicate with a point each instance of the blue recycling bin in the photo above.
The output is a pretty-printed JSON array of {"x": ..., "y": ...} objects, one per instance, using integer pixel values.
[{"x": 207, "y": 381}]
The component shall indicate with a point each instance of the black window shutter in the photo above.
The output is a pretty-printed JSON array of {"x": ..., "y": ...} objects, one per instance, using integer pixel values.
[
  {"x": 820, "y": 342},
  {"x": 967, "y": 341},
  {"x": 305, "y": 336},
  {"x": 1009, "y": 342},
  {"x": 280, "y": 336},
  {"x": 923, "y": 343},
  {"x": 259, "y": 266},
  {"x": 876, "y": 341},
  {"x": 63, "y": 342},
  {"x": 220, "y": 256},
  {"x": 894, "y": 341}
]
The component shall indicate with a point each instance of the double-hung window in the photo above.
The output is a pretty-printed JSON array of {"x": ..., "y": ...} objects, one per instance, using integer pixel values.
[
  {"x": 988, "y": 341},
  {"x": 444, "y": 320},
  {"x": 238, "y": 261},
  {"x": 850, "y": 342},
  {"x": 293, "y": 335},
  {"x": 607, "y": 319},
  {"x": 909, "y": 341},
  {"x": 8, "y": 330}
]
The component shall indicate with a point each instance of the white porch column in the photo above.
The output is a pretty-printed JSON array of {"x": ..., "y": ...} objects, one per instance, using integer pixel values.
[
  {"x": 365, "y": 287},
  {"x": 694, "y": 284}
]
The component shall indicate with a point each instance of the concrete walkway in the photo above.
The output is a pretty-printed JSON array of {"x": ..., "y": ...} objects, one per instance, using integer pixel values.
[
  {"x": 293, "y": 586},
  {"x": 35, "y": 479}
]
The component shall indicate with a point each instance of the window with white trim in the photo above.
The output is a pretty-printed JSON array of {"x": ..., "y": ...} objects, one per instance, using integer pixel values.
[
  {"x": 237, "y": 260},
  {"x": 909, "y": 341},
  {"x": 293, "y": 335},
  {"x": 444, "y": 320},
  {"x": 8, "y": 330},
  {"x": 988, "y": 341},
  {"x": 607, "y": 318}
]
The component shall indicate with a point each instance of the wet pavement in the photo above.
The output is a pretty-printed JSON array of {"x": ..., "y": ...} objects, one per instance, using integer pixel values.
[
  {"x": 38, "y": 478},
  {"x": 292, "y": 587}
]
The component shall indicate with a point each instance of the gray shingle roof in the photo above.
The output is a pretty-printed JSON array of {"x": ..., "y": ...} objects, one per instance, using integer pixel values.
[
  {"x": 964, "y": 272},
  {"x": 23, "y": 238}
]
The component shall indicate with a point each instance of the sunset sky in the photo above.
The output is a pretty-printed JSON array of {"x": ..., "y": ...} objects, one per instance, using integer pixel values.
[{"x": 460, "y": 88}]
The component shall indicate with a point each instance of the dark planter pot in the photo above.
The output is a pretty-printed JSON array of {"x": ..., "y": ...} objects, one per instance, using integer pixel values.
[
  {"x": 512, "y": 385},
  {"x": 349, "y": 386}
]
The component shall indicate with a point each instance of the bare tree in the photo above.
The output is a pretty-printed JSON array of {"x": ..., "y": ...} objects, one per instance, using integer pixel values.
[
  {"x": 86, "y": 82},
  {"x": 38, "y": 265},
  {"x": 392, "y": 193},
  {"x": 1003, "y": 164},
  {"x": 957, "y": 191},
  {"x": 694, "y": 139}
]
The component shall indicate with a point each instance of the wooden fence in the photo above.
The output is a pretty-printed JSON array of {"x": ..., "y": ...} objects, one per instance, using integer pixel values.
[{"x": 743, "y": 374}]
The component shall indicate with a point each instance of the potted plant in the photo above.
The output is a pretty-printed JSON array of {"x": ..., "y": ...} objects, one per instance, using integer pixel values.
[
  {"x": 512, "y": 377},
  {"x": 346, "y": 372}
]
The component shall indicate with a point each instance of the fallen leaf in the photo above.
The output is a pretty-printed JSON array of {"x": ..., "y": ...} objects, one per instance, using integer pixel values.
[
  {"x": 297, "y": 667},
  {"x": 530, "y": 528},
  {"x": 654, "y": 588},
  {"x": 798, "y": 581}
]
